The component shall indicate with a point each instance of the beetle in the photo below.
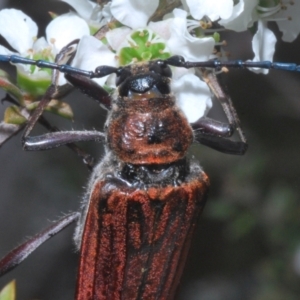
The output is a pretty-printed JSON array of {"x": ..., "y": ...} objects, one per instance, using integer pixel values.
[
  {"x": 205, "y": 127},
  {"x": 145, "y": 168},
  {"x": 143, "y": 111}
]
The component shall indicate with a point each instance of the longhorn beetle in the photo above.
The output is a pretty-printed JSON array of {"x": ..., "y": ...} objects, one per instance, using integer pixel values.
[{"x": 145, "y": 195}]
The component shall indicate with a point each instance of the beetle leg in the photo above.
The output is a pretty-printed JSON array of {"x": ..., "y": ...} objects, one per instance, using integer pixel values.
[
  {"x": 222, "y": 144},
  {"x": 215, "y": 134},
  {"x": 60, "y": 138},
  {"x": 208, "y": 126},
  {"x": 87, "y": 158},
  {"x": 225, "y": 101},
  {"x": 52, "y": 140},
  {"x": 90, "y": 88},
  {"x": 16, "y": 256}
]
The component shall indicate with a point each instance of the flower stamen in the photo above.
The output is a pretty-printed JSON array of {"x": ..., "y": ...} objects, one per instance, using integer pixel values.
[{"x": 268, "y": 11}]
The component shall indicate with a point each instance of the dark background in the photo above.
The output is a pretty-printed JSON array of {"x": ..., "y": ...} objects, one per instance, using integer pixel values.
[{"x": 248, "y": 239}]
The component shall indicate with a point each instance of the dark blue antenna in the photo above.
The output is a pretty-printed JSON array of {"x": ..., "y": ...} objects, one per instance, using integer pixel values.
[
  {"x": 44, "y": 64},
  {"x": 177, "y": 61}
]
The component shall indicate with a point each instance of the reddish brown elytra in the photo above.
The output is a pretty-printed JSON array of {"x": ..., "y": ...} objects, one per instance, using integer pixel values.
[
  {"x": 144, "y": 201},
  {"x": 144, "y": 197}
]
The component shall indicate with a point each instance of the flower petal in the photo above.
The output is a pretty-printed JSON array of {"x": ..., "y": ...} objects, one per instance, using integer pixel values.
[
  {"x": 193, "y": 96},
  {"x": 243, "y": 16},
  {"x": 117, "y": 36},
  {"x": 163, "y": 28},
  {"x": 263, "y": 45},
  {"x": 40, "y": 44},
  {"x": 133, "y": 13},
  {"x": 214, "y": 9},
  {"x": 183, "y": 43},
  {"x": 92, "y": 53},
  {"x": 18, "y": 29},
  {"x": 290, "y": 27},
  {"x": 83, "y": 8},
  {"x": 5, "y": 51},
  {"x": 65, "y": 29}
]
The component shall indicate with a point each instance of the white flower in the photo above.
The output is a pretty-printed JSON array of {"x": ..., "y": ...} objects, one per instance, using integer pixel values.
[
  {"x": 121, "y": 10},
  {"x": 84, "y": 8},
  {"x": 20, "y": 31},
  {"x": 263, "y": 45},
  {"x": 287, "y": 18},
  {"x": 117, "y": 36},
  {"x": 65, "y": 29},
  {"x": 181, "y": 42},
  {"x": 168, "y": 37},
  {"x": 214, "y": 9},
  {"x": 91, "y": 12},
  {"x": 246, "y": 12},
  {"x": 133, "y": 13},
  {"x": 242, "y": 17},
  {"x": 174, "y": 35},
  {"x": 92, "y": 53},
  {"x": 192, "y": 96}
]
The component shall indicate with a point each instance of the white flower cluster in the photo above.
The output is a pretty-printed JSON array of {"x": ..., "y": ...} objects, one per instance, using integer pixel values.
[{"x": 191, "y": 30}]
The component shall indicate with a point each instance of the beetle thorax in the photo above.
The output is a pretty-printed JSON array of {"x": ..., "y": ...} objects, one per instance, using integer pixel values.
[{"x": 146, "y": 130}]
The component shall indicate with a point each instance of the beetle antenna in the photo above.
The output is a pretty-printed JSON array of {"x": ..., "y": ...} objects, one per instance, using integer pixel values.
[{"x": 179, "y": 61}]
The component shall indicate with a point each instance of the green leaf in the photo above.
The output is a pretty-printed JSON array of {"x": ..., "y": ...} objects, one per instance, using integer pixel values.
[
  {"x": 9, "y": 291},
  {"x": 13, "y": 115}
]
